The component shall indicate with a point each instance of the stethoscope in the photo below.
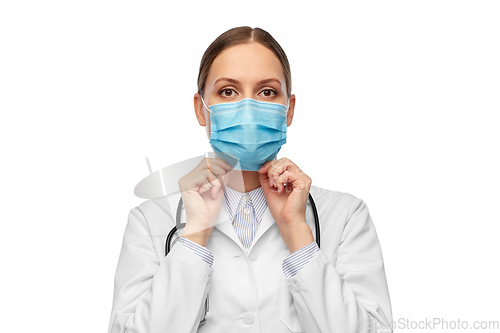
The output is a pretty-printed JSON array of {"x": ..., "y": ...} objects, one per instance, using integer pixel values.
[{"x": 179, "y": 225}]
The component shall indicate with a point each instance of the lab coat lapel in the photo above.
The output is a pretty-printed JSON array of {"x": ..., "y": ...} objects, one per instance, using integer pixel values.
[
  {"x": 224, "y": 224},
  {"x": 266, "y": 223}
]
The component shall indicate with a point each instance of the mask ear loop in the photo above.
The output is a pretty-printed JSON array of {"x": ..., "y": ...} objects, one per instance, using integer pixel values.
[
  {"x": 205, "y": 104},
  {"x": 206, "y": 127}
]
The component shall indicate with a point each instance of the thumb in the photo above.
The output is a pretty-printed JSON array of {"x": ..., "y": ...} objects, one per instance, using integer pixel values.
[{"x": 264, "y": 182}]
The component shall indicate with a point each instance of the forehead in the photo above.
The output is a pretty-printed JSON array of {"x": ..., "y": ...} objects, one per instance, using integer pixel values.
[{"x": 250, "y": 61}]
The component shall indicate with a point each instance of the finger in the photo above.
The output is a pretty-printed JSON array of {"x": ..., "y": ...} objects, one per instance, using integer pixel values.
[
  {"x": 288, "y": 178},
  {"x": 206, "y": 184},
  {"x": 275, "y": 170},
  {"x": 208, "y": 167},
  {"x": 202, "y": 189},
  {"x": 218, "y": 169},
  {"x": 264, "y": 182},
  {"x": 218, "y": 185},
  {"x": 265, "y": 166},
  {"x": 211, "y": 163},
  {"x": 198, "y": 178},
  {"x": 221, "y": 163},
  {"x": 284, "y": 165},
  {"x": 214, "y": 191},
  {"x": 290, "y": 181}
]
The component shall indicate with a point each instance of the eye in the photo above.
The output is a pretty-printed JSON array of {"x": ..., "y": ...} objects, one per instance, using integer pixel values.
[
  {"x": 268, "y": 92},
  {"x": 227, "y": 92}
]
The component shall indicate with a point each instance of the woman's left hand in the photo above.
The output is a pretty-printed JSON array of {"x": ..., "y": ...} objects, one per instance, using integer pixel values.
[{"x": 286, "y": 188}]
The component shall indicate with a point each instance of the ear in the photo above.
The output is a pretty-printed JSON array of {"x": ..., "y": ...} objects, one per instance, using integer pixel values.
[
  {"x": 291, "y": 109},
  {"x": 199, "y": 110}
]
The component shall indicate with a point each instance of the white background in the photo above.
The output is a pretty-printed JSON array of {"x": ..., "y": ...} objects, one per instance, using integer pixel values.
[{"x": 397, "y": 104}]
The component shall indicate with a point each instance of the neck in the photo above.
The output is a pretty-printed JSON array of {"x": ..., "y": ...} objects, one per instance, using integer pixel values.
[{"x": 250, "y": 182}]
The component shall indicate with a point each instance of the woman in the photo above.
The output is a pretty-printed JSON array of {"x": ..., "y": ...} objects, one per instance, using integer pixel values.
[{"x": 247, "y": 259}]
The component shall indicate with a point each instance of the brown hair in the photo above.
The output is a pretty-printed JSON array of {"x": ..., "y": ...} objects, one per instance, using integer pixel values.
[{"x": 242, "y": 35}]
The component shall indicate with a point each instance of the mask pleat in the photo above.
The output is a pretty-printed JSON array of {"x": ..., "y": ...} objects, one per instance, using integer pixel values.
[{"x": 252, "y": 130}]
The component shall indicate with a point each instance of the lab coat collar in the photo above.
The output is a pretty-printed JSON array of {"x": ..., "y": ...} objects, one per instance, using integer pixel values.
[
  {"x": 224, "y": 224},
  {"x": 232, "y": 199}
]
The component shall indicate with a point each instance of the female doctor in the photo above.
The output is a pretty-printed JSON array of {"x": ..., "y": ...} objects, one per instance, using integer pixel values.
[{"x": 247, "y": 260}]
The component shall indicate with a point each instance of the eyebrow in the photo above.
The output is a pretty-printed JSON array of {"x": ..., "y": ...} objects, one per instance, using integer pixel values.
[
  {"x": 269, "y": 80},
  {"x": 237, "y": 82}
]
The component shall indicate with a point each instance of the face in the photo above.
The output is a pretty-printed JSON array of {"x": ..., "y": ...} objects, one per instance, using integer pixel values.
[{"x": 243, "y": 71}]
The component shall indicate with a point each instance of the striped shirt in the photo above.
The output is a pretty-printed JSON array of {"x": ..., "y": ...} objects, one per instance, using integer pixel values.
[{"x": 247, "y": 210}]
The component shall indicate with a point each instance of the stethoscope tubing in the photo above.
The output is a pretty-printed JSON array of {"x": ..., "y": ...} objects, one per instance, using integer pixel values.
[{"x": 179, "y": 225}]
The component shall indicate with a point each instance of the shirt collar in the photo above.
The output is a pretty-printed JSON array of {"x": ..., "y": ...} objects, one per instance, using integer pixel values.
[{"x": 232, "y": 199}]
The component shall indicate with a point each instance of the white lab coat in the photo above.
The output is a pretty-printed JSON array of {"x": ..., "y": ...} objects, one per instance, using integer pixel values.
[{"x": 342, "y": 290}]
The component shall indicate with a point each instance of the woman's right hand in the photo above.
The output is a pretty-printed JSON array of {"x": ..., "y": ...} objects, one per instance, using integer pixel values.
[{"x": 202, "y": 203}]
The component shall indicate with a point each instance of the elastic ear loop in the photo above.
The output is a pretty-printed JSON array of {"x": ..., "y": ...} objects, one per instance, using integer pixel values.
[{"x": 205, "y": 104}]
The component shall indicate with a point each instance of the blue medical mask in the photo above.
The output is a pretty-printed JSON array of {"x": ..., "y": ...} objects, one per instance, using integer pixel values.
[{"x": 252, "y": 130}]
